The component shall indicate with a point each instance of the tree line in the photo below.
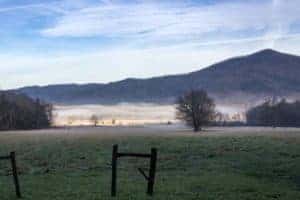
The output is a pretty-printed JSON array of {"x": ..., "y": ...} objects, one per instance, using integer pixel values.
[
  {"x": 197, "y": 109},
  {"x": 21, "y": 112},
  {"x": 275, "y": 113}
]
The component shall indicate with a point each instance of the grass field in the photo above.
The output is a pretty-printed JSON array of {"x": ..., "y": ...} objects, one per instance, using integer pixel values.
[{"x": 71, "y": 164}]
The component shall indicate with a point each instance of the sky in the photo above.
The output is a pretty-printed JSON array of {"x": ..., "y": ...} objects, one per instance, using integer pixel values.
[{"x": 46, "y": 42}]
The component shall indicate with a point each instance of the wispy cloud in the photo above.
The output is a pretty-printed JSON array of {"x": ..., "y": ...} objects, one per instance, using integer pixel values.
[
  {"x": 52, "y": 7},
  {"x": 178, "y": 21}
]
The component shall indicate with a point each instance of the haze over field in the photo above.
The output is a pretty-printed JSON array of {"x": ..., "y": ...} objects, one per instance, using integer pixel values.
[
  {"x": 124, "y": 114},
  {"x": 120, "y": 114}
]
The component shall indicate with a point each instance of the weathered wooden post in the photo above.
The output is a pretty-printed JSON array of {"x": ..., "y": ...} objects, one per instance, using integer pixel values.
[
  {"x": 150, "y": 177},
  {"x": 15, "y": 173},
  {"x": 152, "y": 171},
  {"x": 114, "y": 170},
  {"x": 12, "y": 158}
]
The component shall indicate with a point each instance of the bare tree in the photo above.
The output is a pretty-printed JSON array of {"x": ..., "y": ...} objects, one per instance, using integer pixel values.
[
  {"x": 196, "y": 108},
  {"x": 94, "y": 119}
]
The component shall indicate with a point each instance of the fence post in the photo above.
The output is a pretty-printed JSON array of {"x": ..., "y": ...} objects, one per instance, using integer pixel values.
[
  {"x": 114, "y": 170},
  {"x": 152, "y": 170},
  {"x": 15, "y": 173}
]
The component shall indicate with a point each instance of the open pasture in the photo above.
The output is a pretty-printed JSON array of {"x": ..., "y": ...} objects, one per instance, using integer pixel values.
[{"x": 219, "y": 163}]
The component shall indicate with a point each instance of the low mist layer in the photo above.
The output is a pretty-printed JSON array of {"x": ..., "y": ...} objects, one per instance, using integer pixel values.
[{"x": 125, "y": 114}]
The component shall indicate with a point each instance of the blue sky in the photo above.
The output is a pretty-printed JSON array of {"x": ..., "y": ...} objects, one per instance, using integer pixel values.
[{"x": 51, "y": 42}]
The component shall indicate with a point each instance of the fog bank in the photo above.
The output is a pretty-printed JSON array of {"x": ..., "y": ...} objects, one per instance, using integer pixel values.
[{"x": 123, "y": 114}]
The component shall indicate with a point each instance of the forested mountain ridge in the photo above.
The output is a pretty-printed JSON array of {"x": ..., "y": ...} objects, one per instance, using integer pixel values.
[{"x": 262, "y": 74}]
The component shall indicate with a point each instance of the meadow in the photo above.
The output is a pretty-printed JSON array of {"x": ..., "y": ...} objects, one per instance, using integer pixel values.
[{"x": 219, "y": 163}]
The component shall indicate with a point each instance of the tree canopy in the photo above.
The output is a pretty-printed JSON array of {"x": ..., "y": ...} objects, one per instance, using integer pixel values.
[
  {"x": 270, "y": 113},
  {"x": 21, "y": 112},
  {"x": 196, "y": 109}
]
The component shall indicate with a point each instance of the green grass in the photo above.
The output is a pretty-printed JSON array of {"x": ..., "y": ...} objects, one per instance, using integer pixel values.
[{"x": 71, "y": 168}]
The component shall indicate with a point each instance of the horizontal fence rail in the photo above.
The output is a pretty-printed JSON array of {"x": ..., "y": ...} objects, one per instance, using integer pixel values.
[{"x": 4, "y": 157}]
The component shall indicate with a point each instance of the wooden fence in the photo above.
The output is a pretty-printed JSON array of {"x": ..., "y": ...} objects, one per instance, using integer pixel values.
[
  {"x": 152, "y": 170},
  {"x": 150, "y": 178}
]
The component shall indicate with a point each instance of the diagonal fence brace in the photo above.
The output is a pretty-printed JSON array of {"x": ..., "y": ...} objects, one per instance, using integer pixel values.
[{"x": 144, "y": 174}]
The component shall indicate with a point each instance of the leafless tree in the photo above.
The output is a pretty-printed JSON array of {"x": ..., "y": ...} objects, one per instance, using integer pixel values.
[{"x": 195, "y": 108}]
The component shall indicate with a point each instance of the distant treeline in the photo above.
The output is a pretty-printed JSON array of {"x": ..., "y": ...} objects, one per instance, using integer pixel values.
[
  {"x": 21, "y": 112},
  {"x": 276, "y": 114}
]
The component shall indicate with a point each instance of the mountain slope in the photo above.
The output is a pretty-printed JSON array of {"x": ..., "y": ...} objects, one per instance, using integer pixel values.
[{"x": 265, "y": 73}]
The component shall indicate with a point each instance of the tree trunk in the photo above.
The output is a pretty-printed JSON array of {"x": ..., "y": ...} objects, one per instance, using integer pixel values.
[{"x": 197, "y": 128}]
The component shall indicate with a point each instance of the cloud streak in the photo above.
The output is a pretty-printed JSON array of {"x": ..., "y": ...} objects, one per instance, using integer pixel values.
[
  {"x": 34, "y": 7},
  {"x": 177, "y": 22}
]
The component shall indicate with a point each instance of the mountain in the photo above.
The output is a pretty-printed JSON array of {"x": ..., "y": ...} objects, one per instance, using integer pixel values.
[{"x": 262, "y": 74}]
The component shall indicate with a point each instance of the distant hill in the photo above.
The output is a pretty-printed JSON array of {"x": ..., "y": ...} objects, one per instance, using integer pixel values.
[{"x": 247, "y": 78}]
